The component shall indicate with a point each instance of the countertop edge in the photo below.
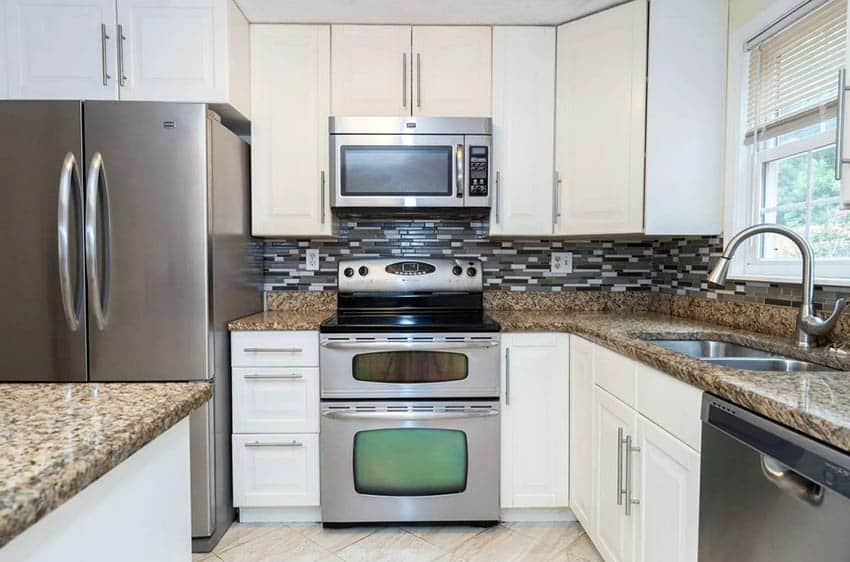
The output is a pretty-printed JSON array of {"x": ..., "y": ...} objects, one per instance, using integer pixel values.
[{"x": 77, "y": 476}]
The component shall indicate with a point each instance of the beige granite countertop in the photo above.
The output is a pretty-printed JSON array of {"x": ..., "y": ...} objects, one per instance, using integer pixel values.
[
  {"x": 814, "y": 403},
  {"x": 308, "y": 319},
  {"x": 56, "y": 439}
]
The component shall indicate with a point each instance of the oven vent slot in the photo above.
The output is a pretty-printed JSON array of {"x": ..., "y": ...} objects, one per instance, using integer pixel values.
[
  {"x": 423, "y": 408},
  {"x": 396, "y": 339},
  {"x": 397, "y": 408},
  {"x": 364, "y": 339},
  {"x": 481, "y": 338},
  {"x": 365, "y": 409},
  {"x": 422, "y": 338}
]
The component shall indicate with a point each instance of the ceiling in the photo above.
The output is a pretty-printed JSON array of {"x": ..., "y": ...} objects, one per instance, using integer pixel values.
[{"x": 420, "y": 11}]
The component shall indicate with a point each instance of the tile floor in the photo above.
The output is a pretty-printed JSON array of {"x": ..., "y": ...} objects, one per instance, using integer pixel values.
[{"x": 526, "y": 542}]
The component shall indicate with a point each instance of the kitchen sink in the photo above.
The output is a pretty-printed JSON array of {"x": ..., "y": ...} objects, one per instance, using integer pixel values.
[{"x": 738, "y": 356}]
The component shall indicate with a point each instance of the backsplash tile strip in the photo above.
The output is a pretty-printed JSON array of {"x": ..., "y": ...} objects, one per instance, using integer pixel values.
[{"x": 670, "y": 265}]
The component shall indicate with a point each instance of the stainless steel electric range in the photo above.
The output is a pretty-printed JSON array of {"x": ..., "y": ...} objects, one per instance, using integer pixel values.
[{"x": 410, "y": 395}]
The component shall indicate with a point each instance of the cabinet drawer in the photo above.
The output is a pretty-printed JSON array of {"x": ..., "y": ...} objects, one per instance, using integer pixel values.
[
  {"x": 672, "y": 404},
  {"x": 275, "y": 349},
  {"x": 616, "y": 374},
  {"x": 275, "y": 400},
  {"x": 276, "y": 470}
]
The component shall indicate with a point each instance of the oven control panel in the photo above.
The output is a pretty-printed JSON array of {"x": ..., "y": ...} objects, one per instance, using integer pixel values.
[
  {"x": 384, "y": 275},
  {"x": 479, "y": 170}
]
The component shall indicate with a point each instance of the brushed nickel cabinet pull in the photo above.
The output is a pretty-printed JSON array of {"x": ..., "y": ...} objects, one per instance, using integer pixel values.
[{"x": 273, "y": 350}]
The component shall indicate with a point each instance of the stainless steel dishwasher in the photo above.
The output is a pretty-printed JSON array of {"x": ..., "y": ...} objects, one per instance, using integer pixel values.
[{"x": 769, "y": 493}]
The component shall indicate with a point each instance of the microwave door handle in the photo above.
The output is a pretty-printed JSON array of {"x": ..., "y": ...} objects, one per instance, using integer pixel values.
[
  {"x": 401, "y": 416},
  {"x": 460, "y": 167}
]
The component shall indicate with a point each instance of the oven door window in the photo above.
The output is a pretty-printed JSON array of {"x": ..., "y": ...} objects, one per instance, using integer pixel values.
[
  {"x": 422, "y": 171},
  {"x": 407, "y": 367},
  {"x": 410, "y": 462}
]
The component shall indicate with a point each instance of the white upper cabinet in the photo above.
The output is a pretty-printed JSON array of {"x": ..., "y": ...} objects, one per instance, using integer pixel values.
[
  {"x": 60, "y": 49},
  {"x": 601, "y": 107},
  {"x": 581, "y": 431},
  {"x": 451, "y": 72},
  {"x": 535, "y": 420},
  {"x": 399, "y": 70},
  {"x": 371, "y": 70},
  {"x": 685, "y": 114},
  {"x": 523, "y": 130},
  {"x": 149, "y": 50},
  {"x": 638, "y": 154},
  {"x": 178, "y": 51},
  {"x": 290, "y": 104}
]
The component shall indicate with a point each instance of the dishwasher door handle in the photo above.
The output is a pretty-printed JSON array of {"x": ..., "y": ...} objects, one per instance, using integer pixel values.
[{"x": 791, "y": 482}]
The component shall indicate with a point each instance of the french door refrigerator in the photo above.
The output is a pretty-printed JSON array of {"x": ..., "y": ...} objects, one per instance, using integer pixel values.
[{"x": 125, "y": 248}]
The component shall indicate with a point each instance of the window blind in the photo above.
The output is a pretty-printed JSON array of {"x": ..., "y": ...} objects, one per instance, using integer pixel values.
[{"x": 793, "y": 73}]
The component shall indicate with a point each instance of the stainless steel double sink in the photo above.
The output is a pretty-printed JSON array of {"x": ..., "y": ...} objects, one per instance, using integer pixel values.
[{"x": 738, "y": 356}]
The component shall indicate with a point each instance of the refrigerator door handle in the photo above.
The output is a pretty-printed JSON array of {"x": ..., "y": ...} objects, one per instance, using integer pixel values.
[
  {"x": 97, "y": 188},
  {"x": 72, "y": 293}
]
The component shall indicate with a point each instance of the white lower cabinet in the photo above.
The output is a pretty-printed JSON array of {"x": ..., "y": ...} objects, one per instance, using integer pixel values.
[
  {"x": 667, "y": 486},
  {"x": 535, "y": 420},
  {"x": 279, "y": 470},
  {"x": 275, "y": 384},
  {"x": 638, "y": 492},
  {"x": 276, "y": 400},
  {"x": 581, "y": 431},
  {"x": 614, "y": 530}
]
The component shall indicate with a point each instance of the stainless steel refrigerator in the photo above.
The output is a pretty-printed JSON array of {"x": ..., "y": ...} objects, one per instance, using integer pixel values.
[{"x": 125, "y": 248}]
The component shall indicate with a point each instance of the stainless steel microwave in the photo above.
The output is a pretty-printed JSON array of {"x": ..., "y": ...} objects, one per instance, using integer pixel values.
[{"x": 410, "y": 161}]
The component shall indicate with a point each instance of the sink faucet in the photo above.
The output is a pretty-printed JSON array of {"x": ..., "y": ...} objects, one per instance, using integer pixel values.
[{"x": 809, "y": 326}]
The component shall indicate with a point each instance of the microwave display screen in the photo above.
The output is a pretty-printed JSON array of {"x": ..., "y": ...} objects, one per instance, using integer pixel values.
[{"x": 396, "y": 171}]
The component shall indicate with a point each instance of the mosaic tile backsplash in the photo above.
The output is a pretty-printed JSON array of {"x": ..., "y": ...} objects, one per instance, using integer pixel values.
[{"x": 667, "y": 265}]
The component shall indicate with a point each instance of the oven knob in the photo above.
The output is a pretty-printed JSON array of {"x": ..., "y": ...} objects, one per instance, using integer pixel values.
[
  {"x": 471, "y": 272},
  {"x": 457, "y": 270},
  {"x": 348, "y": 272},
  {"x": 363, "y": 270}
]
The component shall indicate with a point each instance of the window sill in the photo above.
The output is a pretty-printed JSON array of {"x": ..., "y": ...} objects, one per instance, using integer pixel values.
[{"x": 789, "y": 280}]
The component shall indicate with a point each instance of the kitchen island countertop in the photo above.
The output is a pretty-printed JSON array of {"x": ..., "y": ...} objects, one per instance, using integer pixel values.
[{"x": 57, "y": 438}]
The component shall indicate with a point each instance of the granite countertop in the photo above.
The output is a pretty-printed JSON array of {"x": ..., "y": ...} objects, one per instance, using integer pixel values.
[
  {"x": 814, "y": 403},
  {"x": 308, "y": 319},
  {"x": 56, "y": 439}
]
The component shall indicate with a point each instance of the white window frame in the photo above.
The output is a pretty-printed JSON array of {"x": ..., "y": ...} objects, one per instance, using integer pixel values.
[{"x": 741, "y": 193}]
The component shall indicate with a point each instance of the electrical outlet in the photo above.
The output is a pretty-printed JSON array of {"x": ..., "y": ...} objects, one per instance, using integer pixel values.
[
  {"x": 561, "y": 262},
  {"x": 312, "y": 260}
]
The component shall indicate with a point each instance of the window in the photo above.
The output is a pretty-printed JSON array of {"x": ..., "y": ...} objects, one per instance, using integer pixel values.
[{"x": 787, "y": 142}]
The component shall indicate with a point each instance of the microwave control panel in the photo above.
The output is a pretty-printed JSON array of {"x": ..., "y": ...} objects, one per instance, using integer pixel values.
[{"x": 479, "y": 170}]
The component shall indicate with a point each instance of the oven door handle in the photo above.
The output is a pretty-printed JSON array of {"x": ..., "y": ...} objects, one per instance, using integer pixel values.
[
  {"x": 393, "y": 345},
  {"x": 408, "y": 415}
]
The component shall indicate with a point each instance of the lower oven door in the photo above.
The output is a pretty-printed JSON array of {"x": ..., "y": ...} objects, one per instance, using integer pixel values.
[
  {"x": 376, "y": 366},
  {"x": 410, "y": 462}
]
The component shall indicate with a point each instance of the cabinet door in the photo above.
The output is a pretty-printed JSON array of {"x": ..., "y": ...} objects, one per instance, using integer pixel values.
[
  {"x": 667, "y": 486},
  {"x": 276, "y": 470},
  {"x": 275, "y": 400},
  {"x": 370, "y": 70},
  {"x": 601, "y": 99},
  {"x": 60, "y": 49},
  {"x": 581, "y": 431},
  {"x": 613, "y": 530},
  {"x": 451, "y": 71},
  {"x": 4, "y": 76},
  {"x": 535, "y": 420},
  {"x": 290, "y": 104},
  {"x": 523, "y": 130},
  {"x": 173, "y": 51}
]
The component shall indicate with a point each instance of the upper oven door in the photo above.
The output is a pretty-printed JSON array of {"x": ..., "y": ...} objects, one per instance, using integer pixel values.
[
  {"x": 398, "y": 170},
  {"x": 410, "y": 366}
]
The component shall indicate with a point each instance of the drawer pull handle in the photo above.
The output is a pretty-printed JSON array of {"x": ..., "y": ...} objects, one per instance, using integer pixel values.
[
  {"x": 294, "y": 377},
  {"x": 266, "y": 444},
  {"x": 273, "y": 350}
]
